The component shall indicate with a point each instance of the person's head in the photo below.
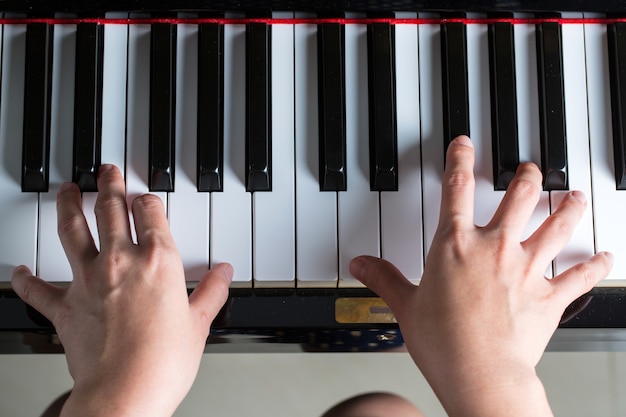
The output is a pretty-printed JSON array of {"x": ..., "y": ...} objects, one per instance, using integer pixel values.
[
  {"x": 378, "y": 404},
  {"x": 54, "y": 409}
]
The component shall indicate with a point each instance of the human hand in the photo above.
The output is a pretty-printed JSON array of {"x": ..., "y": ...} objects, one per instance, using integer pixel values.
[
  {"x": 132, "y": 336},
  {"x": 484, "y": 313}
]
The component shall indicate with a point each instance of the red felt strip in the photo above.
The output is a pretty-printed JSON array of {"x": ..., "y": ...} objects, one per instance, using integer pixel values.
[{"x": 296, "y": 21}]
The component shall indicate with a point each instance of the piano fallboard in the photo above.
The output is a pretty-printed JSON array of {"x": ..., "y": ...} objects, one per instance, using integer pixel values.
[{"x": 278, "y": 320}]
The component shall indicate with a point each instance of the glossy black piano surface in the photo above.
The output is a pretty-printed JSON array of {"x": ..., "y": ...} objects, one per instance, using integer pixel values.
[
  {"x": 309, "y": 318},
  {"x": 323, "y": 6}
]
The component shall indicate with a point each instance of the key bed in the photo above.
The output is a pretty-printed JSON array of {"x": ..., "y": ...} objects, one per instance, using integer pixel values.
[
  {"x": 161, "y": 115},
  {"x": 152, "y": 112}
]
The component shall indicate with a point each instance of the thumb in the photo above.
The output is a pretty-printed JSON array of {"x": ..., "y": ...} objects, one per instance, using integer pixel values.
[
  {"x": 384, "y": 279},
  {"x": 581, "y": 278},
  {"x": 211, "y": 293},
  {"x": 41, "y": 295}
]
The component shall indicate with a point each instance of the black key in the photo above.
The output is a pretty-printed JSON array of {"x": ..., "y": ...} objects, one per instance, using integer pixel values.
[
  {"x": 331, "y": 107},
  {"x": 551, "y": 106},
  {"x": 258, "y": 108},
  {"x": 210, "y": 170},
  {"x": 162, "y": 106},
  {"x": 617, "y": 71},
  {"x": 382, "y": 108},
  {"x": 37, "y": 96},
  {"x": 88, "y": 104},
  {"x": 504, "y": 134},
  {"x": 454, "y": 81}
]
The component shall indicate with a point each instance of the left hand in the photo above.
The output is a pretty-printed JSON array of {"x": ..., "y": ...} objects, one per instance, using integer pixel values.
[{"x": 132, "y": 336}]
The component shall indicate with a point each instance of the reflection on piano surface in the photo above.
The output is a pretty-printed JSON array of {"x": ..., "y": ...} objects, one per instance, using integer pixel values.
[{"x": 289, "y": 143}]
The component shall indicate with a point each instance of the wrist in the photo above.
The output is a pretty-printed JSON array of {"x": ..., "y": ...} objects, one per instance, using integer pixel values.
[
  {"x": 495, "y": 392},
  {"x": 121, "y": 399},
  {"x": 126, "y": 385}
]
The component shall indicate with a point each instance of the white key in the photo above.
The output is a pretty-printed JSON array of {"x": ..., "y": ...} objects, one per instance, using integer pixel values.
[
  {"x": 231, "y": 210},
  {"x": 486, "y": 199},
  {"x": 113, "y": 150},
  {"x": 53, "y": 264},
  {"x": 274, "y": 247},
  {"x": 358, "y": 216},
  {"x": 316, "y": 212},
  {"x": 188, "y": 208},
  {"x": 528, "y": 115},
  {"x": 138, "y": 115},
  {"x": 581, "y": 245},
  {"x": 401, "y": 211},
  {"x": 18, "y": 211},
  {"x": 431, "y": 118},
  {"x": 608, "y": 202}
]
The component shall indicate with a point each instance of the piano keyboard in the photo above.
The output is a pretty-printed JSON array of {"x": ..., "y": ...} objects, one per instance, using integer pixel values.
[{"x": 311, "y": 143}]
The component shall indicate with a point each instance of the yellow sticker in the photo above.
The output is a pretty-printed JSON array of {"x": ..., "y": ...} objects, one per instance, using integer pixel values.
[{"x": 356, "y": 310}]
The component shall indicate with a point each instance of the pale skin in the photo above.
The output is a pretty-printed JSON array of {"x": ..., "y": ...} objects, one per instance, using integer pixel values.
[
  {"x": 133, "y": 339},
  {"x": 483, "y": 313},
  {"x": 476, "y": 326}
]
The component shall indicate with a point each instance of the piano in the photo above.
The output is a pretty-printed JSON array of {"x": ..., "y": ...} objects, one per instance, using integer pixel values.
[{"x": 288, "y": 136}]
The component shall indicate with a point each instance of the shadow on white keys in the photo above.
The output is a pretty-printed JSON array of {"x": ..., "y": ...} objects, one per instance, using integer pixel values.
[{"x": 18, "y": 211}]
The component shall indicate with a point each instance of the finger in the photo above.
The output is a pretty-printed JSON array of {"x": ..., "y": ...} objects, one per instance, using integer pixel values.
[
  {"x": 582, "y": 277},
  {"x": 42, "y": 296},
  {"x": 519, "y": 202},
  {"x": 72, "y": 227},
  {"x": 111, "y": 210},
  {"x": 151, "y": 224},
  {"x": 211, "y": 293},
  {"x": 457, "y": 192},
  {"x": 548, "y": 240},
  {"x": 384, "y": 279}
]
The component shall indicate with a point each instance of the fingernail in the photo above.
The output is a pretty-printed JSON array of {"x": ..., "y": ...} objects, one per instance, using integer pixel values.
[
  {"x": 66, "y": 186},
  {"x": 227, "y": 269},
  {"x": 356, "y": 267},
  {"x": 609, "y": 256},
  {"x": 22, "y": 270},
  {"x": 464, "y": 140},
  {"x": 19, "y": 273},
  {"x": 578, "y": 195},
  {"x": 104, "y": 168}
]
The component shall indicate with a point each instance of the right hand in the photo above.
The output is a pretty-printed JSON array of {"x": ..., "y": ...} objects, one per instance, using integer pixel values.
[{"x": 484, "y": 312}]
